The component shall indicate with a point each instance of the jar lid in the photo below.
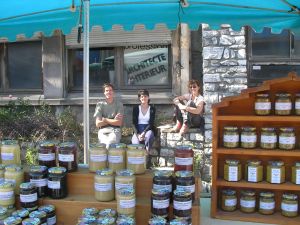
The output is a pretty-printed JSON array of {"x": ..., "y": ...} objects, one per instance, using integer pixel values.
[
  {"x": 38, "y": 214},
  {"x": 160, "y": 191},
  {"x": 289, "y": 196},
  {"x": 125, "y": 172},
  {"x": 104, "y": 172},
  {"x": 6, "y": 184},
  {"x": 90, "y": 211},
  {"x": 283, "y": 95},
  {"x": 135, "y": 146},
  {"x": 232, "y": 162},
  {"x": 117, "y": 145},
  {"x": 13, "y": 168},
  {"x": 97, "y": 146},
  {"x": 27, "y": 185},
  {"x": 48, "y": 143},
  {"x": 268, "y": 129},
  {"x": 248, "y": 193},
  {"x": 67, "y": 145},
  {"x": 57, "y": 170},
  {"x": 38, "y": 169},
  {"x": 12, "y": 220},
  {"x": 178, "y": 221},
  {"x": 9, "y": 142},
  {"x": 163, "y": 173},
  {"x": 230, "y": 128},
  {"x": 249, "y": 129},
  {"x": 158, "y": 220},
  {"x": 106, "y": 220},
  {"x": 88, "y": 219},
  {"x": 182, "y": 192},
  {"x": 229, "y": 192},
  {"x": 31, "y": 221},
  {"x": 47, "y": 208},
  {"x": 184, "y": 173},
  {"x": 107, "y": 212},
  {"x": 3, "y": 211},
  {"x": 287, "y": 129},
  {"x": 262, "y": 95},
  {"x": 21, "y": 213},
  {"x": 266, "y": 194},
  {"x": 125, "y": 220},
  {"x": 126, "y": 191},
  {"x": 276, "y": 163},
  {"x": 254, "y": 162},
  {"x": 184, "y": 147}
]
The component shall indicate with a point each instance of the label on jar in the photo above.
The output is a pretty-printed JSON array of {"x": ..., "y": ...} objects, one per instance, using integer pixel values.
[
  {"x": 39, "y": 182},
  {"x": 28, "y": 198},
  {"x": 232, "y": 173},
  {"x": 98, "y": 158},
  {"x": 262, "y": 105},
  {"x": 287, "y": 140},
  {"x": 161, "y": 204},
  {"x": 289, "y": 207},
  {"x": 115, "y": 159},
  {"x": 297, "y": 176},
  {"x": 297, "y": 105},
  {"x": 7, "y": 195},
  {"x": 51, "y": 220},
  {"x": 252, "y": 174},
  {"x": 183, "y": 161},
  {"x": 2, "y": 179},
  {"x": 190, "y": 188},
  {"x": 276, "y": 176},
  {"x": 126, "y": 204},
  {"x": 53, "y": 184},
  {"x": 186, "y": 205},
  {"x": 46, "y": 157},
  {"x": 66, "y": 158},
  {"x": 267, "y": 205},
  {"x": 268, "y": 139},
  {"x": 231, "y": 138},
  {"x": 283, "y": 105},
  {"x": 159, "y": 186},
  {"x": 247, "y": 203},
  {"x": 13, "y": 181},
  {"x": 230, "y": 202},
  {"x": 103, "y": 187},
  {"x": 248, "y": 138},
  {"x": 7, "y": 156},
  {"x": 136, "y": 160},
  {"x": 121, "y": 185}
]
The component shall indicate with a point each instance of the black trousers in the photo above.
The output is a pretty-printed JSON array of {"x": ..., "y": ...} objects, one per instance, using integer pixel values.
[{"x": 190, "y": 119}]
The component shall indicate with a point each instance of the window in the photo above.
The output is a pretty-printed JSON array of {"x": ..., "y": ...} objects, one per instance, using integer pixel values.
[{"x": 272, "y": 55}]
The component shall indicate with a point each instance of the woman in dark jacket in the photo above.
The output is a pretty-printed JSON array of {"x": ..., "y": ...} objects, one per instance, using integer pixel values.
[{"x": 143, "y": 117}]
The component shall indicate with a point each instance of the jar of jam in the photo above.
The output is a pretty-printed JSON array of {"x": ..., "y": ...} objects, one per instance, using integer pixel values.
[
  {"x": 126, "y": 201},
  {"x": 10, "y": 152},
  {"x": 57, "y": 182},
  {"x": 97, "y": 157},
  {"x": 276, "y": 172},
  {"x": 136, "y": 160},
  {"x": 125, "y": 220},
  {"x": 107, "y": 212},
  {"x": 268, "y": 138},
  {"x": 2, "y": 171},
  {"x": 157, "y": 220},
  {"x": 232, "y": 170},
  {"x": 228, "y": 200},
  {"x": 230, "y": 137},
  {"x": 31, "y": 221},
  {"x": 38, "y": 176},
  {"x": 124, "y": 179},
  {"x": 184, "y": 156},
  {"x": 248, "y": 137},
  {"x": 296, "y": 173},
  {"x": 247, "y": 201},
  {"x": 262, "y": 104},
  {"x": 104, "y": 185},
  {"x": 297, "y": 104},
  {"x": 163, "y": 179},
  {"x": 283, "y": 104},
  {"x": 46, "y": 153},
  {"x": 28, "y": 196},
  {"x": 266, "y": 203},
  {"x": 254, "y": 171},
  {"x": 50, "y": 211},
  {"x": 15, "y": 175},
  {"x": 116, "y": 157},
  {"x": 185, "y": 180},
  {"x": 287, "y": 138},
  {"x": 12, "y": 221},
  {"x": 182, "y": 203},
  {"x": 40, "y": 215},
  {"x": 22, "y": 213},
  {"x": 160, "y": 202},
  {"x": 67, "y": 156},
  {"x": 7, "y": 196}
]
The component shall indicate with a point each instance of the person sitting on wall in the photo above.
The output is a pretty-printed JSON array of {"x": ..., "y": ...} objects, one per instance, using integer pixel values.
[
  {"x": 109, "y": 117},
  {"x": 188, "y": 109}
]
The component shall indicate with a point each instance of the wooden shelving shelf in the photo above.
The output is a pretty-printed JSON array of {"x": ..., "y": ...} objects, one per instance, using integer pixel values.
[{"x": 239, "y": 111}]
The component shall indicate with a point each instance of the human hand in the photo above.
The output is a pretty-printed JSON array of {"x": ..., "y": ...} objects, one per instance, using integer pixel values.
[
  {"x": 181, "y": 106},
  {"x": 141, "y": 136},
  {"x": 119, "y": 116}
]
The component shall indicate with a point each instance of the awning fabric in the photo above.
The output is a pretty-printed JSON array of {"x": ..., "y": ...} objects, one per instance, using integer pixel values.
[{"x": 29, "y": 16}]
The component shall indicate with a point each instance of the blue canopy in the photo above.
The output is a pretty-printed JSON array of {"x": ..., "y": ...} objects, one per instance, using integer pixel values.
[{"x": 30, "y": 16}]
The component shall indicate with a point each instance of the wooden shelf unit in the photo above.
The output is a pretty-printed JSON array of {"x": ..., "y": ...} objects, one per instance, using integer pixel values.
[{"x": 239, "y": 111}]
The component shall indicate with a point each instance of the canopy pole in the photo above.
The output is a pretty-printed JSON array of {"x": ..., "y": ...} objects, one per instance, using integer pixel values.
[{"x": 86, "y": 75}]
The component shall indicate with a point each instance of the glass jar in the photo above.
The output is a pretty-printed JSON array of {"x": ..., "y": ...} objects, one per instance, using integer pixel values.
[
  {"x": 247, "y": 201},
  {"x": 104, "y": 185},
  {"x": 136, "y": 160},
  {"x": 230, "y": 137},
  {"x": 232, "y": 170},
  {"x": 296, "y": 173},
  {"x": 228, "y": 200},
  {"x": 90, "y": 211},
  {"x": 266, "y": 203},
  {"x": 40, "y": 215},
  {"x": 15, "y": 175},
  {"x": 51, "y": 215},
  {"x": 289, "y": 205},
  {"x": 268, "y": 138},
  {"x": 254, "y": 171},
  {"x": 10, "y": 152},
  {"x": 262, "y": 104},
  {"x": 248, "y": 137},
  {"x": 287, "y": 138},
  {"x": 67, "y": 156},
  {"x": 163, "y": 179},
  {"x": 90, "y": 220},
  {"x": 283, "y": 104},
  {"x": 13, "y": 221},
  {"x": 160, "y": 202},
  {"x": 116, "y": 157},
  {"x": 31, "y": 221},
  {"x": 57, "y": 182},
  {"x": 2, "y": 171},
  {"x": 106, "y": 221},
  {"x": 124, "y": 179},
  {"x": 38, "y": 176},
  {"x": 46, "y": 154},
  {"x": 135, "y": 146},
  {"x": 184, "y": 157},
  {"x": 276, "y": 172},
  {"x": 22, "y": 213},
  {"x": 126, "y": 201},
  {"x": 28, "y": 196},
  {"x": 182, "y": 203},
  {"x": 157, "y": 221},
  {"x": 297, "y": 104},
  {"x": 125, "y": 220},
  {"x": 185, "y": 180},
  {"x": 97, "y": 157},
  {"x": 7, "y": 196},
  {"x": 107, "y": 212}
]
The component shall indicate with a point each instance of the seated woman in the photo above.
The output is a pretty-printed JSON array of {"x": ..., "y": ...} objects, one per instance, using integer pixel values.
[
  {"x": 189, "y": 109},
  {"x": 143, "y": 117}
]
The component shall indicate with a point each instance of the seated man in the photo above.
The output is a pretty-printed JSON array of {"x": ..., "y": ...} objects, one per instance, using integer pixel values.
[{"x": 109, "y": 117}]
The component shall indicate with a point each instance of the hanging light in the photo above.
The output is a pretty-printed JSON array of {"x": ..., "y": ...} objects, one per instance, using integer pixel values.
[{"x": 73, "y": 7}]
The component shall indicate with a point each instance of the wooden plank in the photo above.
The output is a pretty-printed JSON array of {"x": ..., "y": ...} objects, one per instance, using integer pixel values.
[
  {"x": 289, "y": 119},
  {"x": 258, "y": 152}
]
